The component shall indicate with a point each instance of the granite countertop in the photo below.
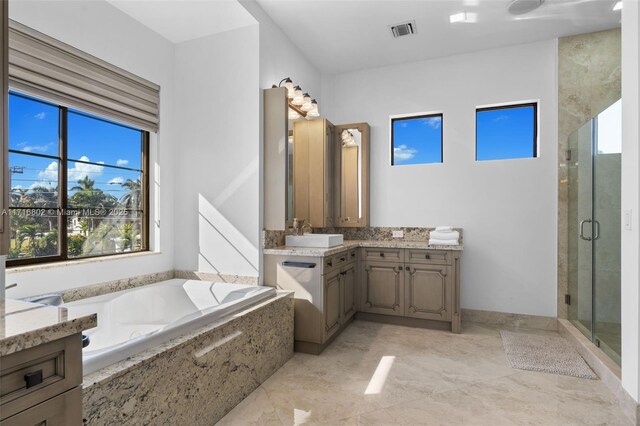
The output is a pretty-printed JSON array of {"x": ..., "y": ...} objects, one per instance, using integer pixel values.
[
  {"x": 24, "y": 325},
  {"x": 349, "y": 244}
]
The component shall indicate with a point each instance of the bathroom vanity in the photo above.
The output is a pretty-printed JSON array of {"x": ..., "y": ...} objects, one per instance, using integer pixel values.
[
  {"x": 41, "y": 364},
  {"x": 401, "y": 282}
]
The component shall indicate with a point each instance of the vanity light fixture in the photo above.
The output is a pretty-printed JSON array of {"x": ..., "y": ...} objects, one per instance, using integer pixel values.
[
  {"x": 300, "y": 104},
  {"x": 617, "y": 6}
]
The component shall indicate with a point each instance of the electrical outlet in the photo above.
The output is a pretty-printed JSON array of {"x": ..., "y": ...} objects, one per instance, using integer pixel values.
[
  {"x": 398, "y": 234},
  {"x": 627, "y": 220}
]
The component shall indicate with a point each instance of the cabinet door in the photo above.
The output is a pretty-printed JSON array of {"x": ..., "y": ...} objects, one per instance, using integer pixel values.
[
  {"x": 383, "y": 288},
  {"x": 62, "y": 410},
  {"x": 348, "y": 282},
  {"x": 428, "y": 291},
  {"x": 331, "y": 304}
]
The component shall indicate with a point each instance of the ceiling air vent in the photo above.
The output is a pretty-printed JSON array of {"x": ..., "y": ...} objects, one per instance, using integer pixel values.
[{"x": 403, "y": 29}]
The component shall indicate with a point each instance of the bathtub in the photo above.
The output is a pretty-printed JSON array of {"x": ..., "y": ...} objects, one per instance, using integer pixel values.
[{"x": 131, "y": 321}]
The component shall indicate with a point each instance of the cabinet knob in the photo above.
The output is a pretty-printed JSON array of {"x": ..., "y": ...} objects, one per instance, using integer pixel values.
[
  {"x": 33, "y": 378},
  {"x": 407, "y": 268},
  {"x": 381, "y": 254},
  {"x": 426, "y": 256},
  {"x": 342, "y": 259}
]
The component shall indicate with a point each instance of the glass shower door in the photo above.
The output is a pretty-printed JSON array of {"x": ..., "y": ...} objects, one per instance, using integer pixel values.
[
  {"x": 580, "y": 229},
  {"x": 607, "y": 226},
  {"x": 594, "y": 229}
]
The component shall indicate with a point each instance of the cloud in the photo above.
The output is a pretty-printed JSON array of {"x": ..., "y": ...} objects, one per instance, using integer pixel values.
[
  {"x": 40, "y": 116},
  {"x": 118, "y": 180},
  {"x": 403, "y": 153},
  {"x": 121, "y": 162},
  {"x": 24, "y": 147},
  {"x": 402, "y": 124},
  {"x": 433, "y": 122},
  {"x": 500, "y": 118},
  {"x": 75, "y": 173}
]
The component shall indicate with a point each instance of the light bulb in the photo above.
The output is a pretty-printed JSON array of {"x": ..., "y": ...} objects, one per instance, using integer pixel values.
[
  {"x": 289, "y": 85},
  {"x": 313, "y": 112},
  {"x": 306, "y": 103},
  {"x": 298, "y": 97},
  {"x": 293, "y": 115}
]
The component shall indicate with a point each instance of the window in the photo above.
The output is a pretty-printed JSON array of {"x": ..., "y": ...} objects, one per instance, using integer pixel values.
[
  {"x": 416, "y": 139},
  {"x": 78, "y": 184},
  {"x": 507, "y": 132}
]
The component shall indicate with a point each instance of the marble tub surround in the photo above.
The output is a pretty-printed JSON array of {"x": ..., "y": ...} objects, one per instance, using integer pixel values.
[
  {"x": 272, "y": 239},
  {"x": 207, "y": 276},
  {"x": 196, "y": 378},
  {"x": 434, "y": 378},
  {"x": 116, "y": 285},
  {"x": 24, "y": 325}
]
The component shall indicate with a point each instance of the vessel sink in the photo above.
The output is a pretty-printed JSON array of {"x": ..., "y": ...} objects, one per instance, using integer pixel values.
[{"x": 314, "y": 240}]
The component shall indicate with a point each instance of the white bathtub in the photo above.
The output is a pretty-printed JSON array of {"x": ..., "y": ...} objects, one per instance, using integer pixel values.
[{"x": 131, "y": 321}]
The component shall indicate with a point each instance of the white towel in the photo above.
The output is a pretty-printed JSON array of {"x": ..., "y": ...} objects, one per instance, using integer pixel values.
[
  {"x": 439, "y": 235},
  {"x": 433, "y": 242},
  {"x": 444, "y": 228}
]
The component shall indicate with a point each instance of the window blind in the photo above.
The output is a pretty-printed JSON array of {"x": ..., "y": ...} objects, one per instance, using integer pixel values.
[{"x": 46, "y": 68}]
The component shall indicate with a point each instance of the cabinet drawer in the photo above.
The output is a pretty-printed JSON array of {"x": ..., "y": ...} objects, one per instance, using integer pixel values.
[
  {"x": 63, "y": 410},
  {"x": 383, "y": 254},
  {"x": 341, "y": 259},
  {"x": 353, "y": 255},
  {"x": 53, "y": 368},
  {"x": 433, "y": 257},
  {"x": 328, "y": 265}
]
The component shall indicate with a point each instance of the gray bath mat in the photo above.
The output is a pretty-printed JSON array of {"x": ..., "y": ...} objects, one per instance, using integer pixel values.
[{"x": 550, "y": 354}]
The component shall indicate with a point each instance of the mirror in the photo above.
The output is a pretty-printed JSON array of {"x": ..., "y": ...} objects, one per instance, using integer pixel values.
[{"x": 352, "y": 175}]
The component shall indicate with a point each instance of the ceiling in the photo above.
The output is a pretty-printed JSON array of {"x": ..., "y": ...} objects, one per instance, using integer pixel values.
[
  {"x": 347, "y": 35},
  {"x": 183, "y": 20}
]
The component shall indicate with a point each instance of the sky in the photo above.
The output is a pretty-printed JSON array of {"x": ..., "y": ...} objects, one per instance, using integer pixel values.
[
  {"x": 34, "y": 128},
  {"x": 505, "y": 133},
  {"x": 501, "y": 134},
  {"x": 417, "y": 140}
]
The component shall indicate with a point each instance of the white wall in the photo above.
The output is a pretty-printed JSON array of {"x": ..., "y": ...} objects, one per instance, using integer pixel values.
[
  {"x": 507, "y": 208},
  {"x": 103, "y": 31},
  {"x": 630, "y": 198},
  {"x": 217, "y": 156}
]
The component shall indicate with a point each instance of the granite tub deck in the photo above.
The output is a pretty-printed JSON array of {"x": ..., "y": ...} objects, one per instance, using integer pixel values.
[
  {"x": 24, "y": 325},
  {"x": 199, "y": 377},
  {"x": 350, "y": 244}
]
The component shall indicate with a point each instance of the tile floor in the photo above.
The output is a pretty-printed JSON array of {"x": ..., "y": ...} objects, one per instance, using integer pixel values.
[{"x": 389, "y": 375}]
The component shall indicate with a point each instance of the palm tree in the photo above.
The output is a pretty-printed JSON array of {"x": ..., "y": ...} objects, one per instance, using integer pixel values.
[{"x": 131, "y": 200}]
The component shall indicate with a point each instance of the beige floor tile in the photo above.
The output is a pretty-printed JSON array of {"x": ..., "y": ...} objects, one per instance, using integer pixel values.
[{"x": 432, "y": 378}]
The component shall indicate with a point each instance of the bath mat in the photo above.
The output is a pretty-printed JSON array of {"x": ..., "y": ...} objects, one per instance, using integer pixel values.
[{"x": 549, "y": 354}]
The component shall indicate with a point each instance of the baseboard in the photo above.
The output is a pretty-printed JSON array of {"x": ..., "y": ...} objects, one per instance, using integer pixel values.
[
  {"x": 404, "y": 321},
  {"x": 608, "y": 371},
  {"x": 505, "y": 319}
]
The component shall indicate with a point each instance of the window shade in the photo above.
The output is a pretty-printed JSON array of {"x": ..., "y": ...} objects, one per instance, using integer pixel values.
[{"x": 49, "y": 69}]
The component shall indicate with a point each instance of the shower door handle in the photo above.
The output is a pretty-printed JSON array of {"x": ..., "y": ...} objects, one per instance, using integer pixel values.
[
  {"x": 596, "y": 230},
  {"x": 582, "y": 222}
]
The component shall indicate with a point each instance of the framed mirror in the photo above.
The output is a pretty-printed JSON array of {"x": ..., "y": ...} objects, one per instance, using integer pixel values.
[{"x": 352, "y": 175}]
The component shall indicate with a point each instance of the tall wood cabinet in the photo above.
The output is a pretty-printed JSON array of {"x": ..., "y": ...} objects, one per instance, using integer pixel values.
[{"x": 313, "y": 150}]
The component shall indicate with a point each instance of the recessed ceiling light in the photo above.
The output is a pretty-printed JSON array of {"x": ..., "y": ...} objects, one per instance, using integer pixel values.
[
  {"x": 617, "y": 6},
  {"x": 466, "y": 17},
  {"x": 458, "y": 17}
]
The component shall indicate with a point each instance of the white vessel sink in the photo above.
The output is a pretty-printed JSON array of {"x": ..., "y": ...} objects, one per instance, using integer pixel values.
[{"x": 314, "y": 240}]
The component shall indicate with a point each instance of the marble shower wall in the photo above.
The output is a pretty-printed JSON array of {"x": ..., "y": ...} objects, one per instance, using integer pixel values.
[{"x": 589, "y": 81}]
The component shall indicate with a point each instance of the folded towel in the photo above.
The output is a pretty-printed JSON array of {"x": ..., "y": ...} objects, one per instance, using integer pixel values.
[
  {"x": 433, "y": 242},
  {"x": 439, "y": 235},
  {"x": 444, "y": 228}
]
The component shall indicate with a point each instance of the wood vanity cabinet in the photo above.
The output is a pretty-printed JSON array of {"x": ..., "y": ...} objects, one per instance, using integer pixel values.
[
  {"x": 313, "y": 164},
  {"x": 348, "y": 286},
  {"x": 412, "y": 283},
  {"x": 41, "y": 385},
  {"x": 332, "y": 297}
]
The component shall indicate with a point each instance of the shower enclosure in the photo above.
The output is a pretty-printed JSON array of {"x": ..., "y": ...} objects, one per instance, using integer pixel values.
[{"x": 594, "y": 229}]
